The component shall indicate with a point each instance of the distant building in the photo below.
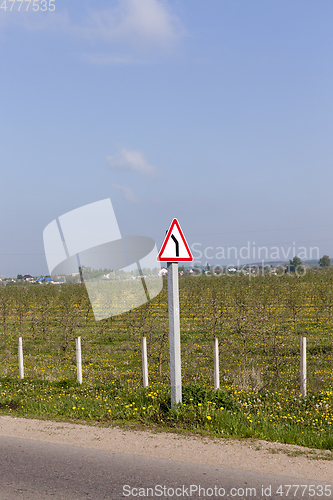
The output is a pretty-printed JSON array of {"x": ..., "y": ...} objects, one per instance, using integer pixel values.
[
  {"x": 27, "y": 277},
  {"x": 43, "y": 280}
]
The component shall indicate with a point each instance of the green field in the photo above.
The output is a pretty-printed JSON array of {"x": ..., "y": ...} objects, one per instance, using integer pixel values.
[{"x": 258, "y": 322}]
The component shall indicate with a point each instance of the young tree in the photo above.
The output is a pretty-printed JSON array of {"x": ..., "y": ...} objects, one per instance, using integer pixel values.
[
  {"x": 69, "y": 314},
  {"x": 295, "y": 265},
  {"x": 325, "y": 261},
  {"x": 5, "y": 309}
]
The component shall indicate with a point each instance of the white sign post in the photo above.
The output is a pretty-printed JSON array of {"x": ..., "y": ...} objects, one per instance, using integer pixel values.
[
  {"x": 174, "y": 249},
  {"x": 174, "y": 334}
]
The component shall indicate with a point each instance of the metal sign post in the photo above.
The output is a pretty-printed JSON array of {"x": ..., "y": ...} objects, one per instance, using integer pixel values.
[
  {"x": 174, "y": 249},
  {"x": 174, "y": 334}
]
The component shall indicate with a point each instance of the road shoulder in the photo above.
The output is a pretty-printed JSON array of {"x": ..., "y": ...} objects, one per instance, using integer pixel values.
[{"x": 252, "y": 455}]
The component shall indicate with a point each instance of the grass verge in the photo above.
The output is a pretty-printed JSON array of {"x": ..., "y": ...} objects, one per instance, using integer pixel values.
[{"x": 271, "y": 416}]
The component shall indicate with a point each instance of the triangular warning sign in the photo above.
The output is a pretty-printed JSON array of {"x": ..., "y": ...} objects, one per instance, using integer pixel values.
[{"x": 175, "y": 247}]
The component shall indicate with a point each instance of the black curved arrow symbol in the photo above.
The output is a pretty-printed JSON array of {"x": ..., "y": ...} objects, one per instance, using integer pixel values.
[{"x": 177, "y": 244}]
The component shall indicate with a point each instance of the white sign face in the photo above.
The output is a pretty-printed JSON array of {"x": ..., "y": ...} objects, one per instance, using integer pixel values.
[{"x": 175, "y": 247}]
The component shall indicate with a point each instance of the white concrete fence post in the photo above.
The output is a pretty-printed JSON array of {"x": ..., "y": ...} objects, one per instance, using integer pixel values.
[
  {"x": 78, "y": 360},
  {"x": 144, "y": 361},
  {"x": 216, "y": 364},
  {"x": 303, "y": 365},
  {"x": 20, "y": 358}
]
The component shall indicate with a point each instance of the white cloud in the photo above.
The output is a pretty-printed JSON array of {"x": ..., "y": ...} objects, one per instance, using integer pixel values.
[
  {"x": 143, "y": 22},
  {"x": 133, "y": 24},
  {"x": 131, "y": 160},
  {"x": 127, "y": 192}
]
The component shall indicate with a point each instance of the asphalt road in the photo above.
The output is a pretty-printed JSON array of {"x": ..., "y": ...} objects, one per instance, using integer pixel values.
[{"x": 35, "y": 470}]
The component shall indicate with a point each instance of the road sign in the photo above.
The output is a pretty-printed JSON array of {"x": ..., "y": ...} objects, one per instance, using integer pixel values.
[{"x": 175, "y": 247}]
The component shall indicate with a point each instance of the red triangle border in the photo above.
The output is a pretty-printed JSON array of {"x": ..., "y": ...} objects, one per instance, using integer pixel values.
[{"x": 166, "y": 239}]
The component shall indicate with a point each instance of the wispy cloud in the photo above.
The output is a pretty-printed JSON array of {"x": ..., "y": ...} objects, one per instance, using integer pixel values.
[
  {"x": 131, "y": 161},
  {"x": 127, "y": 192},
  {"x": 143, "y": 22},
  {"x": 30, "y": 21},
  {"x": 132, "y": 26},
  {"x": 104, "y": 58}
]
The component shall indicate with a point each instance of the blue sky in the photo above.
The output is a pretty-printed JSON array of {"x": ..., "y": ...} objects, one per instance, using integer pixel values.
[{"x": 219, "y": 113}]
